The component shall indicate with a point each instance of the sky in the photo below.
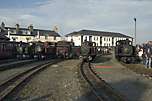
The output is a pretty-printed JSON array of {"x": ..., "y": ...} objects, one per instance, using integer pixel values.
[{"x": 75, "y": 15}]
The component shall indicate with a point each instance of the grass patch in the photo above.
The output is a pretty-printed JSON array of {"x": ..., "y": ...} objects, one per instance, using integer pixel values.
[
  {"x": 102, "y": 59},
  {"x": 138, "y": 68}
]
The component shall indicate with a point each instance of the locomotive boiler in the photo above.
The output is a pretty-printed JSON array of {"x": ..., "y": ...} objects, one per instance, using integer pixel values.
[{"x": 125, "y": 51}]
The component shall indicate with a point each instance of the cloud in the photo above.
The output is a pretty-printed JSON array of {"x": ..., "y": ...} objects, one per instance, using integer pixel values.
[{"x": 73, "y": 15}]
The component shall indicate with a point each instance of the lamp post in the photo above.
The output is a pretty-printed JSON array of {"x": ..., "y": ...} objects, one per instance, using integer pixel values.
[{"x": 135, "y": 30}]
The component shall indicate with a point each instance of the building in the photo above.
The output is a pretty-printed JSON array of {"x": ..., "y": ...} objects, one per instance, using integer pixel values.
[
  {"x": 101, "y": 38},
  {"x": 149, "y": 42},
  {"x": 3, "y": 37},
  {"x": 29, "y": 34}
]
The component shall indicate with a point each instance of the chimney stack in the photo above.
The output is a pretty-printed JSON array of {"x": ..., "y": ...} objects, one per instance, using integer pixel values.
[
  {"x": 30, "y": 28},
  {"x": 2, "y": 27},
  {"x": 17, "y": 28},
  {"x": 56, "y": 29}
]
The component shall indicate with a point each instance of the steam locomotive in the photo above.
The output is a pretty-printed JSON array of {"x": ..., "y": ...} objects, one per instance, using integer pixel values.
[
  {"x": 36, "y": 50},
  {"x": 88, "y": 51},
  {"x": 125, "y": 51},
  {"x": 44, "y": 50}
]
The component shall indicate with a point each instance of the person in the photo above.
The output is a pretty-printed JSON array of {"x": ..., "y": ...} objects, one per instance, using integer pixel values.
[
  {"x": 148, "y": 57},
  {"x": 140, "y": 54},
  {"x": 144, "y": 58}
]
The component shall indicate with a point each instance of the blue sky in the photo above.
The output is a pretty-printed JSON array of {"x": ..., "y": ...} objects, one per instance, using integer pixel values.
[
  {"x": 74, "y": 15},
  {"x": 20, "y": 3}
]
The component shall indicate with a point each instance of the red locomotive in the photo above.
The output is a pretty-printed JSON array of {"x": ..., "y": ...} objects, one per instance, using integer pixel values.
[{"x": 64, "y": 49}]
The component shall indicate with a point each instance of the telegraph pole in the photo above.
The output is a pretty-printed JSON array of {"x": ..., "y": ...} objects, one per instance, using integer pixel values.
[{"x": 135, "y": 30}]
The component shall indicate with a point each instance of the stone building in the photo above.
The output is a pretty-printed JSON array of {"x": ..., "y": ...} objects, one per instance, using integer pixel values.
[{"x": 29, "y": 34}]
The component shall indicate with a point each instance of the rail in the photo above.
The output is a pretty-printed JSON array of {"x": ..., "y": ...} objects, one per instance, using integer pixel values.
[
  {"x": 101, "y": 90},
  {"x": 8, "y": 86}
]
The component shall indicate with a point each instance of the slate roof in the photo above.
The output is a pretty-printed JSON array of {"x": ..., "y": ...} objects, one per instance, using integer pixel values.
[
  {"x": 3, "y": 37},
  {"x": 98, "y": 33},
  {"x": 47, "y": 32},
  {"x": 41, "y": 32}
]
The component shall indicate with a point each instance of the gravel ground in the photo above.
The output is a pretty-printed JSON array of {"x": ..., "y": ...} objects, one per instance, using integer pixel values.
[
  {"x": 134, "y": 86},
  {"x": 59, "y": 82},
  {"x": 9, "y": 73}
]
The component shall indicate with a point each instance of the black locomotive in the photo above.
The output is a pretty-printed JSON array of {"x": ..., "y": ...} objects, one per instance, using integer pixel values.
[
  {"x": 88, "y": 50},
  {"x": 125, "y": 51}
]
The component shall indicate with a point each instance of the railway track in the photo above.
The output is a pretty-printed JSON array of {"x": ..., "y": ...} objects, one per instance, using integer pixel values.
[
  {"x": 8, "y": 86},
  {"x": 15, "y": 63},
  {"x": 7, "y": 61},
  {"x": 101, "y": 90}
]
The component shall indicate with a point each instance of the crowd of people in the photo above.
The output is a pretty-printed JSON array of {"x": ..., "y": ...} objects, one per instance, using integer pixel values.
[{"x": 145, "y": 54}]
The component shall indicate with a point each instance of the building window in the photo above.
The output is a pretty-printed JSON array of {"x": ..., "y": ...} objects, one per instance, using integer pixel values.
[
  {"x": 100, "y": 40},
  {"x": 85, "y": 38},
  {"x": 112, "y": 40},
  {"x": 14, "y": 38},
  {"x": 97, "y": 38},
  {"x": 71, "y": 39},
  {"x": 94, "y": 38},
  {"x": 46, "y": 37},
  {"x": 104, "y": 39},
  {"x": 27, "y": 39},
  {"x": 90, "y": 38},
  {"x": 54, "y": 37},
  {"x": 109, "y": 39}
]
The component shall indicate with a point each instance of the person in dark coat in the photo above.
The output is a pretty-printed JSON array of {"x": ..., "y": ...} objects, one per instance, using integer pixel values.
[{"x": 148, "y": 56}]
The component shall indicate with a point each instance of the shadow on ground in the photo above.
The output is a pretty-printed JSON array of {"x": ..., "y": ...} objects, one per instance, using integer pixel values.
[
  {"x": 132, "y": 90},
  {"x": 102, "y": 59},
  {"x": 129, "y": 89}
]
